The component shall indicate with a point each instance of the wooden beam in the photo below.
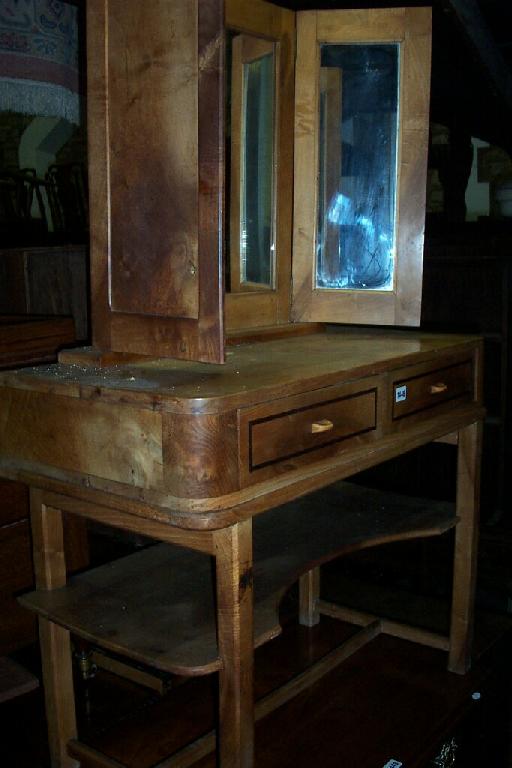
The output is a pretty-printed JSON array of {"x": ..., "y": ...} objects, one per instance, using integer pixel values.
[{"x": 387, "y": 626}]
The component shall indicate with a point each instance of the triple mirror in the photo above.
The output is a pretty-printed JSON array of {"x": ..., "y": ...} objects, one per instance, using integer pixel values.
[
  {"x": 252, "y": 167},
  {"x": 352, "y": 111}
]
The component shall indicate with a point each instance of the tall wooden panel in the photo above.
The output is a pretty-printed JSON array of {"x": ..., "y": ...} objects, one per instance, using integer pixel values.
[{"x": 155, "y": 140}]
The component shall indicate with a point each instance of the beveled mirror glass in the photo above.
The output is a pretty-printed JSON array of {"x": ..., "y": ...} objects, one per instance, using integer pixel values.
[
  {"x": 252, "y": 178},
  {"x": 357, "y": 163}
]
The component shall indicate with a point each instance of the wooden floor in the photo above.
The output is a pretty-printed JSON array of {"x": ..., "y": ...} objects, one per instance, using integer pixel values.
[{"x": 391, "y": 700}]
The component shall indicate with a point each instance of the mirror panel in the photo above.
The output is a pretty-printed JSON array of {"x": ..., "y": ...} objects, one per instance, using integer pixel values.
[
  {"x": 361, "y": 146},
  {"x": 253, "y": 122},
  {"x": 256, "y": 183},
  {"x": 357, "y": 161}
]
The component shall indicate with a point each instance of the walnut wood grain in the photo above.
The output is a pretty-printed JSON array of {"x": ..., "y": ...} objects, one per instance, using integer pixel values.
[
  {"x": 268, "y": 21},
  {"x": 411, "y": 705},
  {"x": 161, "y": 440},
  {"x": 267, "y": 333},
  {"x": 466, "y": 544},
  {"x": 211, "y": 137},
  {"x": 411, "y": 27},
  {"x": 387, "y": 626},
  {"x": 154, "y": 216},
  {"x": 308, "y": 427},
  {"x": 28, "y": 340},
  {"x": 130, "y": 519},
  {"x": 235, "y": 639},
  {"x": 50, "y": 570},
  {"x": 212, "y": 467},
  {"x": 253, "y": 372},
  {"x": 155, "y": 255},
  {"x": 426, "y": 390},
  {"x": 210, "y": 514},
  {"x": 171, "y": 589},
  {"x": 98, "y": 149},
  {"x": 127, "y": 445}
]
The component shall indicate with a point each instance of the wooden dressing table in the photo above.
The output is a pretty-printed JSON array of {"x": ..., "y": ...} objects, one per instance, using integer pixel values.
[
  {"x": 193, "y": 455},
  {"x": 145, "y": 432}
]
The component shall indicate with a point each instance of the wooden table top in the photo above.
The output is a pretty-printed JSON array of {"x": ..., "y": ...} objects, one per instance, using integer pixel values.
[{"x": 253, "y": 371}]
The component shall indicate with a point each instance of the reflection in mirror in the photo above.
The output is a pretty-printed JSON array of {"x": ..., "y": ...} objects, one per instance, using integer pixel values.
[
  {"x": 355, "y": 245},
  {"x": 252, "y": 220}
]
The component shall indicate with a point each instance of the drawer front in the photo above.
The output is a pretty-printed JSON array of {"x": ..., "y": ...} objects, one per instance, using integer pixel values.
[
  {"x": 299, "y": 431},
  {"x": 428, "y": 389}
]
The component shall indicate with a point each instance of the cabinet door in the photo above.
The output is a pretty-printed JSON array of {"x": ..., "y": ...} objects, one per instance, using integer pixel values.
[
  {"x": 259, "y": 167},
  {"x": 361, "y": 141},
  {"x": 156, "y": 137}
]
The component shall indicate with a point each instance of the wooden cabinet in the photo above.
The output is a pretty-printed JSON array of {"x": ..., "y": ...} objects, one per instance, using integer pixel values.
[
  {"x": 161, "y": 284},
  {"x": 143, "y": 433},
  {"x": 226, "y": 462}
]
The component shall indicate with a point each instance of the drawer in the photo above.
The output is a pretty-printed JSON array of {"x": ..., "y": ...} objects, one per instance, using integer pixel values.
[
  {"x": 299, "y": 426},
  {"x": 429, "y": 388}
]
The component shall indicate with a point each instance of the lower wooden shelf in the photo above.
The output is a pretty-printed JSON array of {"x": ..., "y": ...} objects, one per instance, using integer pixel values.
[
  {"x": 390, "y": 700},
  {"x": 157, "y": 606}
]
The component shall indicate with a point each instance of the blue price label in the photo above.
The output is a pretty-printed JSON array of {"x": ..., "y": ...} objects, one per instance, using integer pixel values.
[{"x": 400, "y": 396}]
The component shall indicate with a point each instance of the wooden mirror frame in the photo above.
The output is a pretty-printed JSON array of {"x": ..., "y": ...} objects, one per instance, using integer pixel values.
[
  {"x": 267, "y": 307},
  {"x": 411, "y": 28}
]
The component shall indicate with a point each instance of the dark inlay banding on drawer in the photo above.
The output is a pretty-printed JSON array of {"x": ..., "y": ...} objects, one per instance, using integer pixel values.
[
  {"x": 431, "y": 388},
  {"x": 293, "y": 433}
]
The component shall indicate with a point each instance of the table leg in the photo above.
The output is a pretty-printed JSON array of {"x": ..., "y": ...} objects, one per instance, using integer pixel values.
[
  {"x": 466, "y": 543},
  {"x": 50, "y": 572},
  {"x": 233, "y": 550},
  {"x": 309, "y": 596}
]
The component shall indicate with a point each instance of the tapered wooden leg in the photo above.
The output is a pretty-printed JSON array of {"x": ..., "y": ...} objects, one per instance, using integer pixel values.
[
  {"x": 466, "y": 544},
  {"x": 309, "y": 597},
  {"x": 50, "y": 571},
  {"x": 233, "y": 548}
]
